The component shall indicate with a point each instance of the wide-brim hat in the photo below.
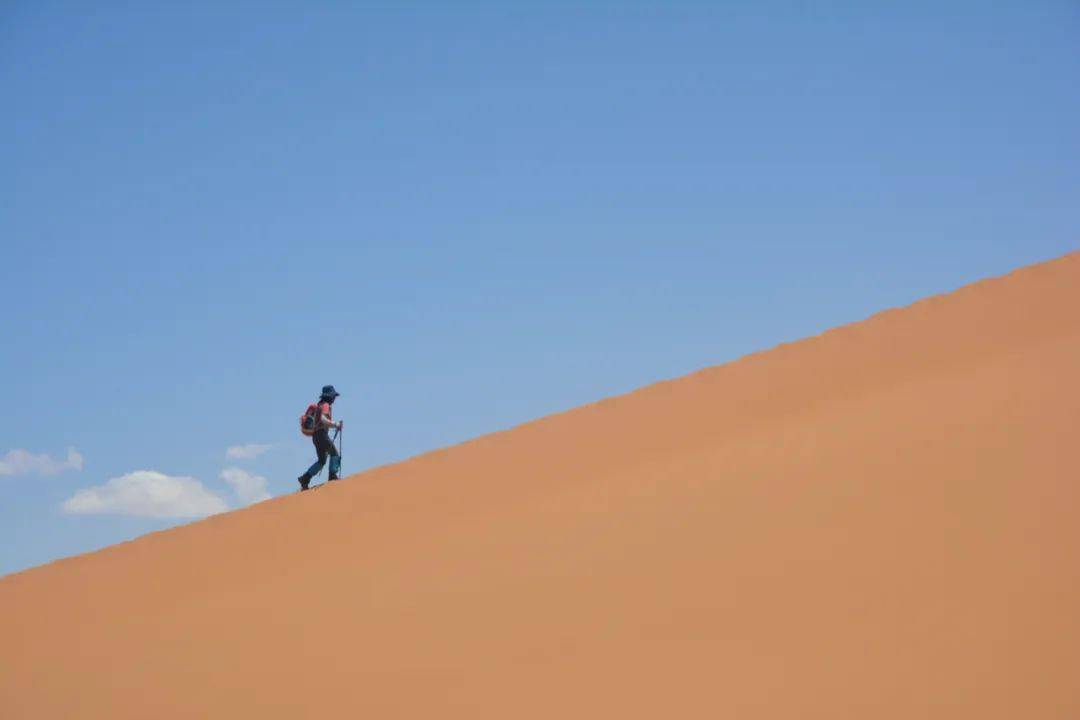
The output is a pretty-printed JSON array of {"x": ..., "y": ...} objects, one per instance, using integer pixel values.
[{"x": 328, "y": 391}]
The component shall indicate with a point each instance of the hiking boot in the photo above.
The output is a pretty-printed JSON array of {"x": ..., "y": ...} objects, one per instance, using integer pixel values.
[{"x": 303, "y": 480}]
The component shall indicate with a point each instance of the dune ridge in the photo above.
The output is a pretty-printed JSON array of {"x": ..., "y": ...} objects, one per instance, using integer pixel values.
[{"x": 878, "y": 521}]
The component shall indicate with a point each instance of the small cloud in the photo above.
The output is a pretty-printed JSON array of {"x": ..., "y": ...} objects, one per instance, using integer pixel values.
[
  {"x": 246, "y": 452},
  {"x": 249, "y": 488},
  {"x": 20, "y": 462},
  {"x": 146, "y": 493}
]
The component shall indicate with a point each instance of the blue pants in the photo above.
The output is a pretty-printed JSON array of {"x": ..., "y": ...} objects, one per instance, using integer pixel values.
[{"x": 324, "y": 447}]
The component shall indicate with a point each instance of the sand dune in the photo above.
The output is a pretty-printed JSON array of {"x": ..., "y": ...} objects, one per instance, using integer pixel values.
[{"x": 879, "y": 522}]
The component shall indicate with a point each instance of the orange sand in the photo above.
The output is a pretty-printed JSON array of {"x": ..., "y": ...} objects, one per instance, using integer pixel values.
[{"x": 879, "y": 522}]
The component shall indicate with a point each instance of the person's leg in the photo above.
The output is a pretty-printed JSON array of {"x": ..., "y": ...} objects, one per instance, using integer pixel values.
[
  {"x": 335, "y": 457},
  {"x": 321, "y": 439},
  {"x": 320, "y": 450},
  {"x": 335, "y": 462}
]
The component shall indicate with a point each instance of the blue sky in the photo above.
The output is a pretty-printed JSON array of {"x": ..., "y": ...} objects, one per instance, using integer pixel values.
[{"x": 469, "y": 215}]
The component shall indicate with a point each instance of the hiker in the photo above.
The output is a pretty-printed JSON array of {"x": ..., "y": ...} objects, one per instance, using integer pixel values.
[{"x": 316, "y": 422}]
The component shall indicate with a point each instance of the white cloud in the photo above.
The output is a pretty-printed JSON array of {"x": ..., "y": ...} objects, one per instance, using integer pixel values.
[
  {"x": 246, "y": 452},
  {"x": 249, "y": 488},
  {"x": 146, "y": 493},
  {"x": 20, "y": 462}
]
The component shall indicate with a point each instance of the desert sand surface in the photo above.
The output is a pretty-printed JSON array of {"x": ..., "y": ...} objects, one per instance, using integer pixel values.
[{"x": 882, "y": 521}]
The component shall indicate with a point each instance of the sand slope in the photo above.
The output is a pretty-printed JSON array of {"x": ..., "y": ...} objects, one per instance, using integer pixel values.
[{"x": 879, "y": 522}]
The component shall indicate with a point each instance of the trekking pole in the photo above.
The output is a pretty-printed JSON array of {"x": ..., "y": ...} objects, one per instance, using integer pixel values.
[{"x": 341, "y": 447}]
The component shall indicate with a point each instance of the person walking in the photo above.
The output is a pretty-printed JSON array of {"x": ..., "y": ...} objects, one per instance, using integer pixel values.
[{"x": 316, "y": 422}]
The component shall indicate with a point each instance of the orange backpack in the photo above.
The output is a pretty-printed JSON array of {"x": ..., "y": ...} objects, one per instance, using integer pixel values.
[{"x": 309, "y": 421}]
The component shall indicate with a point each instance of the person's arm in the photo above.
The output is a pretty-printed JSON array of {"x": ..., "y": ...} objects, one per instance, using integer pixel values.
[{"x": 326, "y": 422}]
